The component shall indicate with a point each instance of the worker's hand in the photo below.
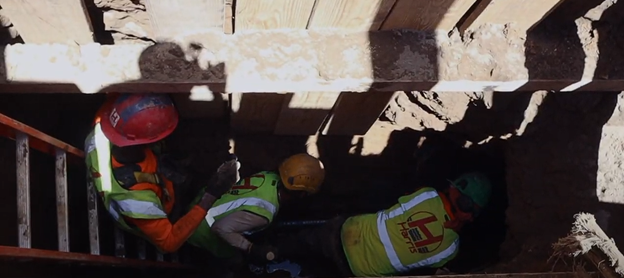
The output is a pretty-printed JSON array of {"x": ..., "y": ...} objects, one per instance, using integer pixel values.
[
  {"x": 226, "y": 176},
  {"x": 262, "y": 253}
]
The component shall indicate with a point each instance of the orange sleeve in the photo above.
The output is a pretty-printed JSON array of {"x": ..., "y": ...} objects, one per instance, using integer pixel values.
[{"x": 168, "y": 237}]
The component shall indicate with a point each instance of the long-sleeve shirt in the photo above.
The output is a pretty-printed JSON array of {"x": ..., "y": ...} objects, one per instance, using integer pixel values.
[
  {"x": 165, "y": 235},
  {"x": 232, "y": 227}
]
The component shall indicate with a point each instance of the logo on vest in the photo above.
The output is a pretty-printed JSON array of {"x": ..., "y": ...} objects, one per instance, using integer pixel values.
[
  {"x": 422, "y": 231},
  {"x": 247, "y": 184}
]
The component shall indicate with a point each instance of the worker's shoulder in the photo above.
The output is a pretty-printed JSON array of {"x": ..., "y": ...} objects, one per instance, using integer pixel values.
[{"x": 262, "y": 179}]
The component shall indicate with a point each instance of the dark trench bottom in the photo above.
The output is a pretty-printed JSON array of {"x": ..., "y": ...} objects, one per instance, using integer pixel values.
[{"x": 436, "y": 162}]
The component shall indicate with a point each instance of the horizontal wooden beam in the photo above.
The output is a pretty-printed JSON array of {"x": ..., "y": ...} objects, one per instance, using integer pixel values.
[{"x": 301, "y": 61}]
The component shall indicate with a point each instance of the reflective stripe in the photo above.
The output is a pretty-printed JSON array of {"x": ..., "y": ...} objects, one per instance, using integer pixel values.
[
  {"x": 437, "y": 258},
  {"x": 103, "y": 159},
  {"x": 223, "y": 208},
  {"x": 382, "y": 230},
  {"x": 138, "y": 207}
]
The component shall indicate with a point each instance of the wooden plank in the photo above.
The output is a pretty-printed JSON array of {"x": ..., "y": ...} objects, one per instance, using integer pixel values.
[
  {"x": 22, "y": 157},
  {"x": 62, "y": 216},
  {"x": 355, "y": 113},
  {"x": 228, "y": 17},
  {"x": 303, "y": 114},
  {"x": 272, "y": 14},
  {"x": 524, "y": 14},
  {"x": 50, "y": 21},
  {"x": 255, "y": 113},
  {"x": 175, "y": 18},
  {"x": 348, "y": 14},
  {"x": 426, "y": 14},
  {"x": 94, "y": 231}
]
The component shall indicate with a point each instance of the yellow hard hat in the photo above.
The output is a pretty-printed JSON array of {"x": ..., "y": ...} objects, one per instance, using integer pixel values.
[{"x": 302, "y": 172}]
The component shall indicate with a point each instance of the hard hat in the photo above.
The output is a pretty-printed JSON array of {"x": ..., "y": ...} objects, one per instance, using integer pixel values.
[
  {"x": 476, "y": 186},
  {"x": 302, "y": 172},
  {"x": 136, "y": 119}
]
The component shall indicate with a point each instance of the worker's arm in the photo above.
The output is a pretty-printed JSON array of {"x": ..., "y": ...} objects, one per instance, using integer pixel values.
[
  {"x": 232, "y": 227},
  {"x": 169, "y": 237},
  {"x": 165, "y": 236}
]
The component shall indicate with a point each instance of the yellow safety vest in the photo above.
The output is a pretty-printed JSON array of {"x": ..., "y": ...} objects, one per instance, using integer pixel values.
[{"x": 409, "y": 235}]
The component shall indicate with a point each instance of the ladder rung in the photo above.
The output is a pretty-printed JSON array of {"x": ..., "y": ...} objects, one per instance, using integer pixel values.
[
  {"x": 94, "y": 233},
  {"x": 141, "y": 248},
  {"x": 61, "y": 200},
  {"x": 120, "y": 243},
  {"x": 22, "y": 161}
]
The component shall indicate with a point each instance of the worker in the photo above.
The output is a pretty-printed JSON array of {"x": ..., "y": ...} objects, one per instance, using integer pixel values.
[
  {"x": 136, "y": 187},
  {"x": 421, "y": 231},
  {"x": 251, "y": 206}
]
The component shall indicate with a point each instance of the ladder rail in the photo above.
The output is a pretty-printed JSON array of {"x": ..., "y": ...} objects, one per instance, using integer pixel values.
[{"x": 27, "y": 138}]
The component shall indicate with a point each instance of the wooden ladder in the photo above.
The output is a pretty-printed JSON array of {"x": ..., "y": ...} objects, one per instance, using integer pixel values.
[{"x": 26, "y": 138}]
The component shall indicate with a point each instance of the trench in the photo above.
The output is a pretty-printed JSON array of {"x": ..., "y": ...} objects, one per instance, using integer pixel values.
[
  {"x": 542, "y": 177},
  {"x": 355, "y": 183}
]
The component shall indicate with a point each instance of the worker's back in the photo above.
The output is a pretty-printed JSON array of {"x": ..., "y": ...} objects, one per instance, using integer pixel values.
[
  {"x": 410, "y": 234},
  {"x": 256, "y": 194}
]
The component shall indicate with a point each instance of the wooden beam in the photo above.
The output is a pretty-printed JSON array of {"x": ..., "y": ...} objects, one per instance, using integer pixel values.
[
  {"x": 303, "y": 114},
  {"x": 272, "y": 14},
  {"x": 426, "y": 14},
  {"x": 349, "y": 117},
  {"x": 302, "y": 61},
  {"x": 255, "y": 113},
  {"x": 50, "y": 21},
  {"x": 523, "y": 14},
  {"x": 172, "y": 18},
  {"x": 347, "y": 14}
]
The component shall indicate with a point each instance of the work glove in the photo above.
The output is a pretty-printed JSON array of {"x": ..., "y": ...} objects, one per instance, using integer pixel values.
[
  {"x": 227, "y": 175},
  {"x": 172, "y": 170},
  {"x": 262, "y": 254}
]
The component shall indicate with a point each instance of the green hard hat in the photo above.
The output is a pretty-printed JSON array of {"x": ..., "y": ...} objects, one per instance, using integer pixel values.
[{"x": 476, "y": 186}]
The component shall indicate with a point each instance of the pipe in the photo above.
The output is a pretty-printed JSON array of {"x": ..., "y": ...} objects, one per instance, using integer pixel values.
[{"x": 301, "y": 223}]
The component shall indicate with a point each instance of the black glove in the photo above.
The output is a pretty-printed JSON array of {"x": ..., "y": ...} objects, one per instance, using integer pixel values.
[
  {"x": 226, "y": 176},
  {"x": 262, "y": 253},
  {"x": 172, "y": 170}
]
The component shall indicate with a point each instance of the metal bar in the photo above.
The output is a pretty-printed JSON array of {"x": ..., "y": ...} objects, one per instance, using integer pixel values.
[
  {"x": 23, "y": 190},
  {"x": 62, "y": 217},
  {"x": 120, "y": 243},
  {"x": 94, "y": 233},
  {"x": 141, "y": 248},
  {"x": 9, "y": 252},
  {"x": 5, "y": 120},
  {"x": 301, "y": 223}
]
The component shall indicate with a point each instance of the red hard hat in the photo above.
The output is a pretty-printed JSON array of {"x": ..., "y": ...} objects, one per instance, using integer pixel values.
[{"x": 136, "y": 119}]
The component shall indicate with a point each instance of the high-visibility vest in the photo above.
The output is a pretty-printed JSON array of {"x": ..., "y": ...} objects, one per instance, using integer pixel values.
[
  {"x": 139, "y": 204},
  {"x": 256, "y": 194},
  {"x": 409, "y": 235}
]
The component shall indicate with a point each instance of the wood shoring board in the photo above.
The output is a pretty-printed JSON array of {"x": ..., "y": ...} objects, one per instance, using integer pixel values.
[{"x": 50, "y": 21}]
